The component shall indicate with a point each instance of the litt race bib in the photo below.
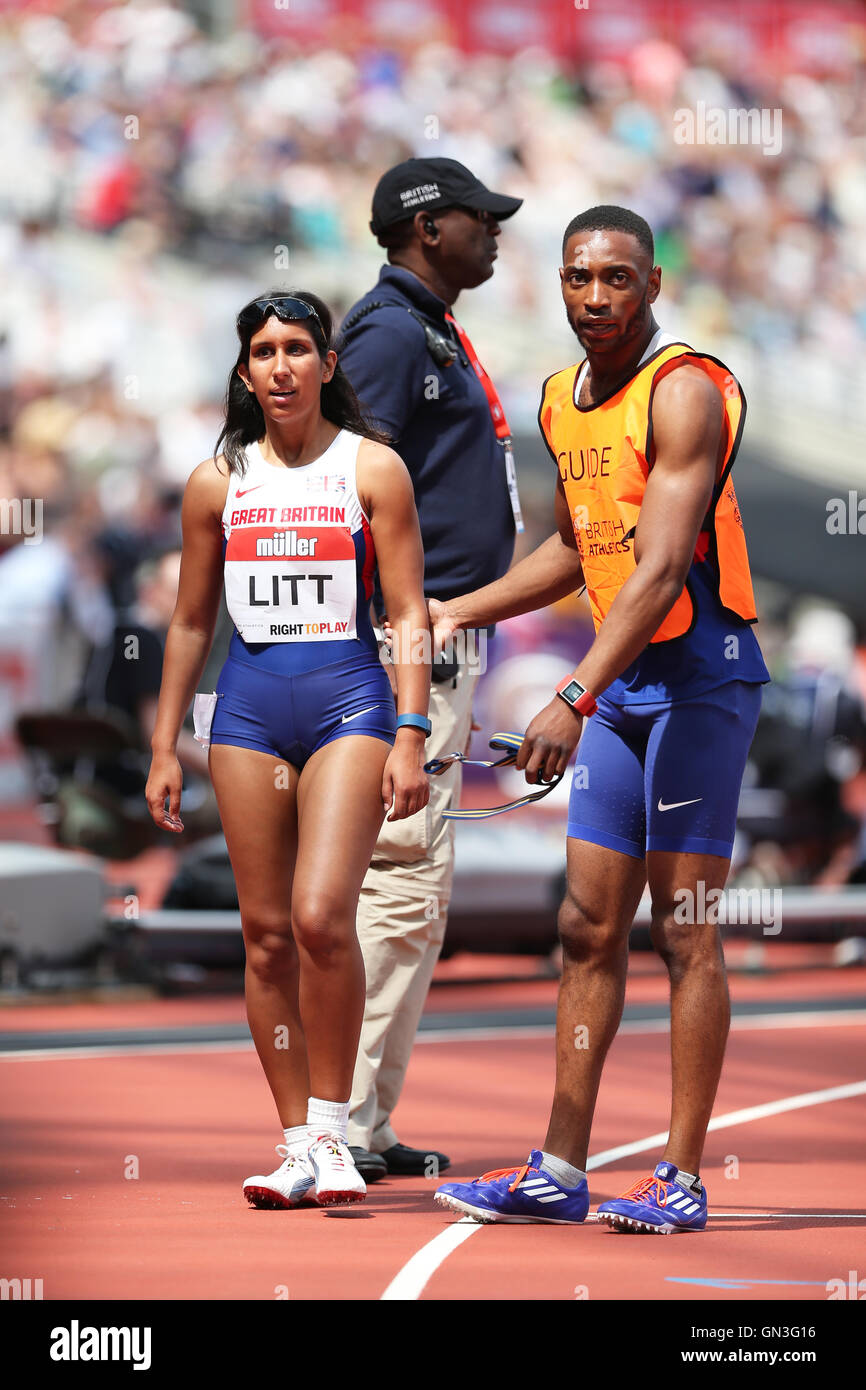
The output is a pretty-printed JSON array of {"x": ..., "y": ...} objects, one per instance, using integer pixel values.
[{"x": 291, "y": 583}]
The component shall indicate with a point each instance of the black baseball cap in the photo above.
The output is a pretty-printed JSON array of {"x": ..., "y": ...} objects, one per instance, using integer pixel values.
[{"x": 423, "y": 185}]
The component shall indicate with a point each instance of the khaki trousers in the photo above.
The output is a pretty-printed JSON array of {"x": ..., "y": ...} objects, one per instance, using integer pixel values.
[{"x": 402, "y": 913}]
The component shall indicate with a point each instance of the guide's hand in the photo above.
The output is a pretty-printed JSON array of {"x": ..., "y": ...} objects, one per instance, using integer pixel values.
[
  {"x": 442, "y": 624},
  {"x": 549, "y": 742}
]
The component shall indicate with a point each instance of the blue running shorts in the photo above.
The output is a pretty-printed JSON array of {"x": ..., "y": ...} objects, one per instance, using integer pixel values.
[
  {"x": 664, "y": 776},
  {"x": 291, "y": 717}
]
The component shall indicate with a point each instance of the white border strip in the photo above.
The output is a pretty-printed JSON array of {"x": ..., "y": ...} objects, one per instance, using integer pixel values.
[
  {"x": 132, "y": 1049},
  {"x": 508, "y": 1032},
  {"x": 409, "y": 1283},
  {"x": 810, "y": 1018}
]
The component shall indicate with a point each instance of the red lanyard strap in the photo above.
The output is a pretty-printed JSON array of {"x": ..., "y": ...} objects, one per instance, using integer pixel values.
[{"x": 497, "y": 413}]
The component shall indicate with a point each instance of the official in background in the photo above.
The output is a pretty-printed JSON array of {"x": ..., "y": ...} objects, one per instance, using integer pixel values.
[{"x": 420, "y": 380}]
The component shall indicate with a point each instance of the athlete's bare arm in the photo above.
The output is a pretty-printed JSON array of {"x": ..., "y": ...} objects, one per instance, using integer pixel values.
[
  {"x": 687, "y": 427},
  {"x": 386, "y": 494},
  {"x": 190, "y": 632},
  {"x": 551, "y": 572}
]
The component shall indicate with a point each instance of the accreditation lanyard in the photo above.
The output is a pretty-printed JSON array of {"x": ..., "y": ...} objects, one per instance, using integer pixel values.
[
  {"x": 497, "y": 415},
  {"x": 511, "y": 744}
]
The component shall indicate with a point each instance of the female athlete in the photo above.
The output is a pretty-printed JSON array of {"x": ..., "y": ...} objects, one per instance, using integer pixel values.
[{"x": 307, "y": 751}]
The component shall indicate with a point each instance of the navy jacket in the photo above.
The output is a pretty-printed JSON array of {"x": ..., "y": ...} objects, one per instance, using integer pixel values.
[{"x": 440, "y": 425}]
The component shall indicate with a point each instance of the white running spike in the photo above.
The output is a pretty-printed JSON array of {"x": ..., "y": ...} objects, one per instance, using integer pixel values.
[
  {"x": 337, "y": 1179},
  {"x": 289, "y": 1186}
]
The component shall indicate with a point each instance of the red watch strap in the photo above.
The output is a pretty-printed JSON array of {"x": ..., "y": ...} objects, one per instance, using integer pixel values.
[{"x": 584, "y": 704}]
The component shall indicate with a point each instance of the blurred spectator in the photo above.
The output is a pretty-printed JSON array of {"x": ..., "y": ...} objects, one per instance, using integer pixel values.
[
  {"x": 146, "y": 155},
  {"x": 124, "y": 672},
  {"x": 810, "y": 744}
]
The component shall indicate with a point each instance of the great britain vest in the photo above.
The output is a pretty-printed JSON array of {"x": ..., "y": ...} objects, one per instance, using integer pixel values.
[{"x": 297, "y": 542}]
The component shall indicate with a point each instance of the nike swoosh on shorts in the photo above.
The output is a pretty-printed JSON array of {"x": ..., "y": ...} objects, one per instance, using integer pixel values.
[
  {"x": 357, "y": 714},
  {"x": 674, "y": 804}
]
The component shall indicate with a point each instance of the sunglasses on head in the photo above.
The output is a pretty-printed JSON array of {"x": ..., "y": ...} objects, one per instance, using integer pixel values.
[{"x": 284, "y": 307}]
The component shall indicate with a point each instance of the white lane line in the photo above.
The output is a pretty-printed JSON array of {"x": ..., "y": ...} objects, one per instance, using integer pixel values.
[
  {"x": 808, "y": 1018},
  {"x": 409, "y": 1282},
  {"x": 793, "y": 1216},
  {"x": 737, "y": 1117},
  {"x": 416, "y": 1273},
  {"x": 778, "y": 1216},
  {"x": 507, "y": 1033}
]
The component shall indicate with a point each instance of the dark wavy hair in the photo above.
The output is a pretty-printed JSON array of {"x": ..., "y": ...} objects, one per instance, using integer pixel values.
[{"x": 244, "y": 417}]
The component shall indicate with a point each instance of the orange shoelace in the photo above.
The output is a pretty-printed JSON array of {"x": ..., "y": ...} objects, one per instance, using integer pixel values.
[
  {"x": 645, "y": 1187},
  {"x": 520, "y": 1174}
]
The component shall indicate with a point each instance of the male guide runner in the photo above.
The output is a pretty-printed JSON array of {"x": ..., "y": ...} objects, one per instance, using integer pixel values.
[{"x": 644, "y": 433}]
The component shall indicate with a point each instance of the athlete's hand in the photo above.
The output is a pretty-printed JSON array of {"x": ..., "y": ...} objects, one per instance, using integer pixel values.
[
  {"x": 165, "y": 780},
  {"x": 442, "y": 624},
  {"x": 549, "y": 742},
  {"x": 404, "y": 781}
]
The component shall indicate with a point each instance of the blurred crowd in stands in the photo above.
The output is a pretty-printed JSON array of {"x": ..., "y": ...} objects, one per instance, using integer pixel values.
[{"x": 153, "y": 176}]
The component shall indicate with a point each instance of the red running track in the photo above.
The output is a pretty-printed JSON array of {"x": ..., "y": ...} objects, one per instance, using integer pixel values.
[{"x": 193, "y": 1124}]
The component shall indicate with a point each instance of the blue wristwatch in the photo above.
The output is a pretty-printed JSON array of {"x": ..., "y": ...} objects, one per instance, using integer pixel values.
[{"x": 415, "y": 721}]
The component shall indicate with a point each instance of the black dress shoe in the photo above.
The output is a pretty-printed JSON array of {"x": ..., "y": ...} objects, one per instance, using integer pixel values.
[
  {"x": 415, "y": 1163},
  {"x": 372, "y": 1167}
]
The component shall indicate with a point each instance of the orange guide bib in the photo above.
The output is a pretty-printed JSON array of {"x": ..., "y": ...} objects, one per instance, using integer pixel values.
[{"x": 604, "y": 454}]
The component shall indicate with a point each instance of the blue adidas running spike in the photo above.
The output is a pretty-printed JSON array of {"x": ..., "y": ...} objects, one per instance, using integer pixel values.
[
  {"x": 519, "y": 1195},
  {"x": 657, "y": 1206}
]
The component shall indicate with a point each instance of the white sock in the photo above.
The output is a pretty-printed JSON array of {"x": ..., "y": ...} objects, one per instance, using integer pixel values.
[
  {"x": 297, "y": 1139},
  {"x": 690, "y": 1181},
  {"x": 327, "y": 1117},
  {"x": 562, "y": 1171}
]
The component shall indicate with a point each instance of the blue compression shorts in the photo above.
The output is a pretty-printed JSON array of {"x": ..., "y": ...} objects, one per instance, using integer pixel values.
[
  {"x": 664, "y": 776},
  {"x": 291, "y": 717}
]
